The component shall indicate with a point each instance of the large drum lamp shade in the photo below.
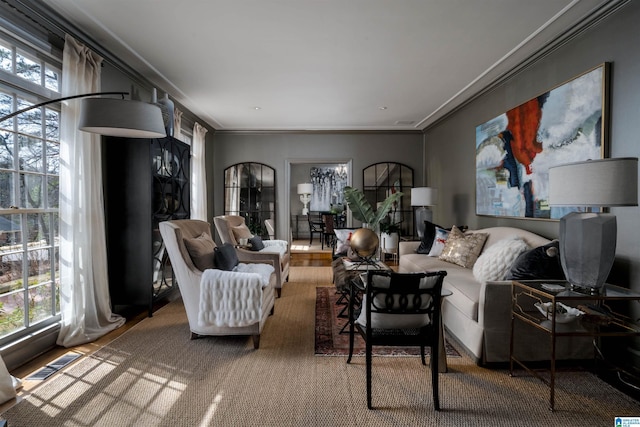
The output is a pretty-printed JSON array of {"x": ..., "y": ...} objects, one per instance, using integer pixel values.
[{"x": 123, "y": 118}]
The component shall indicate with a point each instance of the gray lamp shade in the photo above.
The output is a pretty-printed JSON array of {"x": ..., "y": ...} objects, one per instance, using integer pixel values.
[
  {"x": 424, "y": 196},
  {"x": 602, "y": 183},
  {"x": 588, "y": 240},
  {"x": 120, "y": 117}
]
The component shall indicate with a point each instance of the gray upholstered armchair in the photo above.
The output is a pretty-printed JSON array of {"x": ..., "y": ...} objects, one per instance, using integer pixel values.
[
  {"x": 206, "y": 291},
  {"x": 232, "y": 227}
]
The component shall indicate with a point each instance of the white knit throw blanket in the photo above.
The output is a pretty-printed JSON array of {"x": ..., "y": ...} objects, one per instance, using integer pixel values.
[{"x": 233, "y": 298}]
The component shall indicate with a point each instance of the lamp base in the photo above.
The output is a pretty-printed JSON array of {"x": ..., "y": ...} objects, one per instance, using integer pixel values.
[
  {"x": 587, "y": 249},
  {"x": 423, "y": 214},
  {"x": 305, "y": 199}
]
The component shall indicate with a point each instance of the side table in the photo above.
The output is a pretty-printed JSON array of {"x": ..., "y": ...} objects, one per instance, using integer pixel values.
[{"x": 599, "y": 319}]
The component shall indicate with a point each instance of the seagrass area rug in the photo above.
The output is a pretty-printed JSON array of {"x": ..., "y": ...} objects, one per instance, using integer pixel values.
[{"x": 331, "y": 342}]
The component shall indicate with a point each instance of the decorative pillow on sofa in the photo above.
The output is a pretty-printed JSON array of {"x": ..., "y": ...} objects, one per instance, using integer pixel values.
[
  {"x": 201, "y": 251},
  {"x": 441, "y": 236},
  {"x": 541, "y": 263},
  {"x": 427, "y": 239},
  {"x": 256, "y": 243},
  {"x": 342, "y": 244},
  {"x": 494, "y": 263},
  {"x": 463, "y": 249},
  {"x": 225, "y": 257}
]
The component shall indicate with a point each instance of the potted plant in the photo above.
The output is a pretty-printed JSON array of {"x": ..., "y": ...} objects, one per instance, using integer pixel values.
[
  {"x": 362, "y": 210},
  {"x": 389, "y": 234}
]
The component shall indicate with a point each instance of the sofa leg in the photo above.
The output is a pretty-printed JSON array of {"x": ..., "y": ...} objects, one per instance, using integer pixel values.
[
  {"x": 279, "y": 292},
  {"x": 256, "y": 341},
  {"x": 194, "y": 336}
]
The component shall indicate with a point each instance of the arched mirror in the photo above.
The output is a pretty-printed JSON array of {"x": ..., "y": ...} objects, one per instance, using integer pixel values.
[
  {"x": 382, "y": 179},
  {"x": 250, "y": 191}
]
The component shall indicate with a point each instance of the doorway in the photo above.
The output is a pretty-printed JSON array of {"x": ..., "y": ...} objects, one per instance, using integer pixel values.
[{"x": 299, "y": 171}]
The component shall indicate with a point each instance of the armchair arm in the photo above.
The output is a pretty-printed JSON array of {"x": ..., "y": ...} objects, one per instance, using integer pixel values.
[
  {"x": 245, "y": 255},
  {"x": 275, "y": 243}
]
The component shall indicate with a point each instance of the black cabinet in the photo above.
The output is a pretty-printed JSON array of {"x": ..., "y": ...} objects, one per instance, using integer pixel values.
[{"x": 146, "y": 182}]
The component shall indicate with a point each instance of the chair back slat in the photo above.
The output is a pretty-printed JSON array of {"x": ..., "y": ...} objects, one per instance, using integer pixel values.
[{"x": 404, "y": 293}]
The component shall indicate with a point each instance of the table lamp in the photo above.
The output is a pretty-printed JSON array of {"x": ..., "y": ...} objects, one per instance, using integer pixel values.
[
  {"x": 305, "y": 190},
  {"x": 423, "y": 197},
  {"x": 588, "y": 239}
]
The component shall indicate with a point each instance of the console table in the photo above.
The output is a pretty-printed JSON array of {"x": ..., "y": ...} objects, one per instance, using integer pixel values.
[{"x": 600, "y": 318}]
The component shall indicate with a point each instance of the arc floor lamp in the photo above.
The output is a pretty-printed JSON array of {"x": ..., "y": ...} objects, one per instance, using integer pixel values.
[{"x": 112, "y": 116}]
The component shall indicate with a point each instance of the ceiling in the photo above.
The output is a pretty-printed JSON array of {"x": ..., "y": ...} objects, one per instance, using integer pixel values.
[{"x": 324, "y": 64}]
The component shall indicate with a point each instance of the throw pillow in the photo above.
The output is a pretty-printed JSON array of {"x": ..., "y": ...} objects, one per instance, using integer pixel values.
[
  {"x": 427, "y": 239},
  {"x": 201, "y": 250},
  {"x": 541, "y": 263},
  {"x": 343, "y": 236},
  {"x": 256, "y": 243},
  {"x": 463, "y": 249},
  {"x": 241, "y": 232},
  {"x": 225, "y": 257},
  {"x": 494, "y": 263},
  {"x": 439, "y": 240}
]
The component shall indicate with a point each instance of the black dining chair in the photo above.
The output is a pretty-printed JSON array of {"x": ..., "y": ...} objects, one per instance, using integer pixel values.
[
  {"x": 316, "y": 225},
  {"x": 400, "y": 309},
  {"x": 328, "y": 233}
]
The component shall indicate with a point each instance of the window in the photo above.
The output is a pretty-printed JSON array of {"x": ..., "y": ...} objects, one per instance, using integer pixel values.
[{"x": 29, "y": 176}]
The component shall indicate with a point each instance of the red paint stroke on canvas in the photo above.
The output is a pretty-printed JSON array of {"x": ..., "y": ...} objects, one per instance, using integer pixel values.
[{"x": 524, "y": 121}]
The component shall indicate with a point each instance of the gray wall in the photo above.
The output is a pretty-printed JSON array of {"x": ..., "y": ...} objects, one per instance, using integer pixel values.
[
  {"x": 450, "y": 144},
  {"x": 282, "y": 150}
]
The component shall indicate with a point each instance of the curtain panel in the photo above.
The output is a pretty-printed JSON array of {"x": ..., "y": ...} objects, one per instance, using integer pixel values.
[
  {"x": 198, "y": 174},
  {"x": 84, "y": 289}
]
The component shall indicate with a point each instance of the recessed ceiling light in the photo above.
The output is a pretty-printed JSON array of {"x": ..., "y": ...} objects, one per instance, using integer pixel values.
[
  {"x": 257, "y": 108},
  {"x": 382, "y": 108}
]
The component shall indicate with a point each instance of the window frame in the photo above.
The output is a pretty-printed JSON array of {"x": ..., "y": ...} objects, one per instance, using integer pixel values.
[{"x": 44, "y": 217}]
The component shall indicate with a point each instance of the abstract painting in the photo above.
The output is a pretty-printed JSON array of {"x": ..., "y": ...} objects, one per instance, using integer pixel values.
[
  {"x": 328, "y": 185},
  {"x": 515, "y": 150}
]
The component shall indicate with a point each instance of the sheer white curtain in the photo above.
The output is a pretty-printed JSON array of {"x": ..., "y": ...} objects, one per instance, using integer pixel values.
[
  {"x": 84, "y": 288},
  {"x": 177, "y": 123},
  {"x": 198, "y": 174}
]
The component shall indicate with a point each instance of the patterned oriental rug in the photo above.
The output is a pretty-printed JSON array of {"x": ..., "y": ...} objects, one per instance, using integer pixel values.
[{"x": 330, "y": 342}]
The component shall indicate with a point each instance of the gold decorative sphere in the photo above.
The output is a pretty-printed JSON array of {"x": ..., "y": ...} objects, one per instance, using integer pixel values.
[{"x": 364, "y": 242}]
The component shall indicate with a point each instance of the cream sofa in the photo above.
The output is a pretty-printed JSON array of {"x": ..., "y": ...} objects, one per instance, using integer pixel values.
[{"x": 478, "y": 315}]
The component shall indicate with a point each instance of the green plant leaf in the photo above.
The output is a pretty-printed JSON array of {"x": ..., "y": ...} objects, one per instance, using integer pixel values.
[
  {"x": 362, "y": 210},
  {"x": 359, "y": 205},
  {"x": 385, "y": 207}
]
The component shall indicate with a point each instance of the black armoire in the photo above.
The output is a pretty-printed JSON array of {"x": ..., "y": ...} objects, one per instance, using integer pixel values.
[{"x": 146, "y": 181}]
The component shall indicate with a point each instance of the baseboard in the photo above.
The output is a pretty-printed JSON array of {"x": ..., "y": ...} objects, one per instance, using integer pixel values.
[{"x": 24, "y": 350}]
